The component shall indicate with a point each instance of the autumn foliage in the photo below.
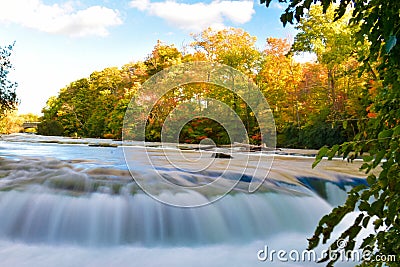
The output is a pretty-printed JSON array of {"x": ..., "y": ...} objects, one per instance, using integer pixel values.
[{"x": 300, "y": 95}]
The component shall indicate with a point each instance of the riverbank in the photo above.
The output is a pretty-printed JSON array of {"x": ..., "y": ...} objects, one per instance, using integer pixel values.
[{"x": 33, "y": 138}]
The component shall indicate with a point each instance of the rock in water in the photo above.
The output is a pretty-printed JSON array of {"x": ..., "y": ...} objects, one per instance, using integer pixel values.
[{"x": 220, "y": 155}]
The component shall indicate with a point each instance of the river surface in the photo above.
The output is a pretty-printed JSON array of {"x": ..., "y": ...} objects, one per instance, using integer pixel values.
[{"x": 73, "y": 202}]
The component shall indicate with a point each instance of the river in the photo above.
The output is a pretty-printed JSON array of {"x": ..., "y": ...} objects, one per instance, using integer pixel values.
[{"x": 73, "y": 202}]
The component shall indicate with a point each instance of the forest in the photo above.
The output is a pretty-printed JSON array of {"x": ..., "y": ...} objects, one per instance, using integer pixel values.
[{"x": 314, "y": 103}]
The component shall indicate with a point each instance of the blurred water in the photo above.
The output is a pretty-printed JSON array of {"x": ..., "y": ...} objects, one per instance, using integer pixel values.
[{"x": 65, "y": 203}]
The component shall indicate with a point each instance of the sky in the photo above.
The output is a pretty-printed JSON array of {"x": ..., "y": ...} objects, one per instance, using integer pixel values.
[{"x": 58, "y": 42}]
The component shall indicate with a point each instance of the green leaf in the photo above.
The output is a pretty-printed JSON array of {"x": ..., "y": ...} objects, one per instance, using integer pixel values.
[
  {"x": 364, "y": 206},
  {"x": 346, "y": 149},
  {"x": 383, "y": 182},
  {"x": 368, "y": 158},
  {"x": 289, "y": 16},
  {"x": 284, "y": 19},
  {"x": 396, "y": 131},
  {"x": 366, "y": 221},
  {"x": 371, "y": 179},
  {"x": 378, "y": 223},
  {"x": 390, "y": 43},
  {"x": 378, "y": 158},
  {"x": 364, "y": 166},
  {"x": 333, "y": 151},
  {"x": 307, "y": 3},
  {"x": 299, "y": 13},
  {"x": 392, "y": 210},
  {"x": 345, "y": 124},
  {"x": 321, "y": 153},
  {"x": 385, "y": 134},
  {"x": 368, "y": 241}
]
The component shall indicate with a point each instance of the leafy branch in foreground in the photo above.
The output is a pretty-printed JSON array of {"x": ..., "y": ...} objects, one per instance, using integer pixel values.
[
  {"x": 378, "y": 141},
  {"x": 378, "y": 204}
]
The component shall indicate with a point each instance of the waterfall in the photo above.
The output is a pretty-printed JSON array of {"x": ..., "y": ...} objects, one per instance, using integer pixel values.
[{"x": 100, "y": 219}]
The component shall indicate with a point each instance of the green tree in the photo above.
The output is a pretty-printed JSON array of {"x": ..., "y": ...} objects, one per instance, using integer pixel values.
[
  {"x": 70, "y": 108},
  {"x": 162, "y": 56},
  {"x": 8, "y": 97},
  {"x": 333, "y": 43},
  {"x": 233, "y": 47},
  {"x": 236, "y": 48},
  {"x": 50, "y": 128},
  {"x": 338, "y": 94},
  {"x": 378, "y": 23},
  {"x": 95, "y": 106},
  {"x": 105, "y": 87}
]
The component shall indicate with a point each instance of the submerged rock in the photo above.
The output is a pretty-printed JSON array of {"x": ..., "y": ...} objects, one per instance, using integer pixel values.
[
  {"x": 103, "y": 145},
  {"x": 220, "y": 155}
]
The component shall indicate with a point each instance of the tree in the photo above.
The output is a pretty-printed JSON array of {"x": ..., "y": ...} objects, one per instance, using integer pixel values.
[
  {"x": 8, "y": 97},
  {"x": 279, "y": 79},
  {"x": 333, "y": 43},
  {"x": 378, "y": 23},
  {"x": 162, "y": 56},
  {"x": 50, "y": 127},
  {"x": 11, "y": 123},
  {"x": 236, "y": 48},
  {"x": 338, "y": 94},
  {"x": 233, "y": 47},
  {"x": 95, "y": 106}
]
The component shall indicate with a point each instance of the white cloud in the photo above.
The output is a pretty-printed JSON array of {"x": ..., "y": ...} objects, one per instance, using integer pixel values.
[
  {"x": 142, "y": 5},
  {"x": 198, "y": 16},
  {"x": 277, "y": 5},
  {"x": 59, "y": 19}
]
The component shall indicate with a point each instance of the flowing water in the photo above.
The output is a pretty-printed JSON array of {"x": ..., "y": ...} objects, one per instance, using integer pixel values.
[{"x": 73, "y": 202}]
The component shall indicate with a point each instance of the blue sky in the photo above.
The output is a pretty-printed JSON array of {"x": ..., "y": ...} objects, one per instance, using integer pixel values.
[{"x": 58, "y": 42}]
